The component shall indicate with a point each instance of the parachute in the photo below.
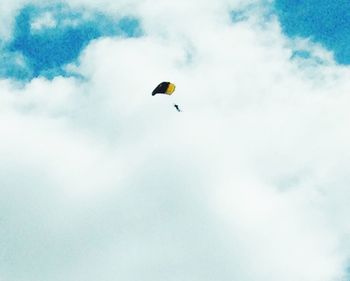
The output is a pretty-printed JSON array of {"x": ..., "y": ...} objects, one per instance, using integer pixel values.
[{"x": 166, "y": 88}]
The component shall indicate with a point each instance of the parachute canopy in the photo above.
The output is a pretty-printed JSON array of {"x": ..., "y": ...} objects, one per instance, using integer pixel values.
[{"x": 164, "y": 88}]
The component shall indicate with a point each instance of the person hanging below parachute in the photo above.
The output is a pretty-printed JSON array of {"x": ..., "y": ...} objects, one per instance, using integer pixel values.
[
  {"x": 166, "y": 88},
  {"x": 177, "y": 107}
]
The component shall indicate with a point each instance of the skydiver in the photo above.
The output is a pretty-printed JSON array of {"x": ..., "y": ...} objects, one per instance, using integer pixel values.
[{"x": 177, "y": 107}]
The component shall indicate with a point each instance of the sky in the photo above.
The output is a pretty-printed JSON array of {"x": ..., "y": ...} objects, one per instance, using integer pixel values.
[{"x": 100, "y": 180}]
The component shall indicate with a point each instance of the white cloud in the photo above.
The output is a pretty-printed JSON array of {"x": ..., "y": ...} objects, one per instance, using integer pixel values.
[
  {"x": 249, "y": 182},
  {"x": 46, "y": 20}
]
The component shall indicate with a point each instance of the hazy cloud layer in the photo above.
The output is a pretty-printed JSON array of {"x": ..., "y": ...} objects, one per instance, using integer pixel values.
[{"x": 100, "y": 180}]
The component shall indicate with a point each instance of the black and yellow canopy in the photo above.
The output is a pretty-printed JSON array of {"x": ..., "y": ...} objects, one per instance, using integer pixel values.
[{"x": 164, "y": 88}]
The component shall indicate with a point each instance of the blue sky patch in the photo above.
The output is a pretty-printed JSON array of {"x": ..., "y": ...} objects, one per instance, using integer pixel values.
[
  {"x": 301, "y": 54},
  {"x": 46, "y": 39},
  {"x": 14, "y": 65},
  {"x": 324, "y": 21},
  {"x": 238, "y": 16}
]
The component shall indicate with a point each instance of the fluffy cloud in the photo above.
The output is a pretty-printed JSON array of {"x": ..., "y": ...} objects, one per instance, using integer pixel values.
[{"x": 102, "y": 181}]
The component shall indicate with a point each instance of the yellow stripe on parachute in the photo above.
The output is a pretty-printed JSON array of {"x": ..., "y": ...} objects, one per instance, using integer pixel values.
[{"x": 170, "y": 89}]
